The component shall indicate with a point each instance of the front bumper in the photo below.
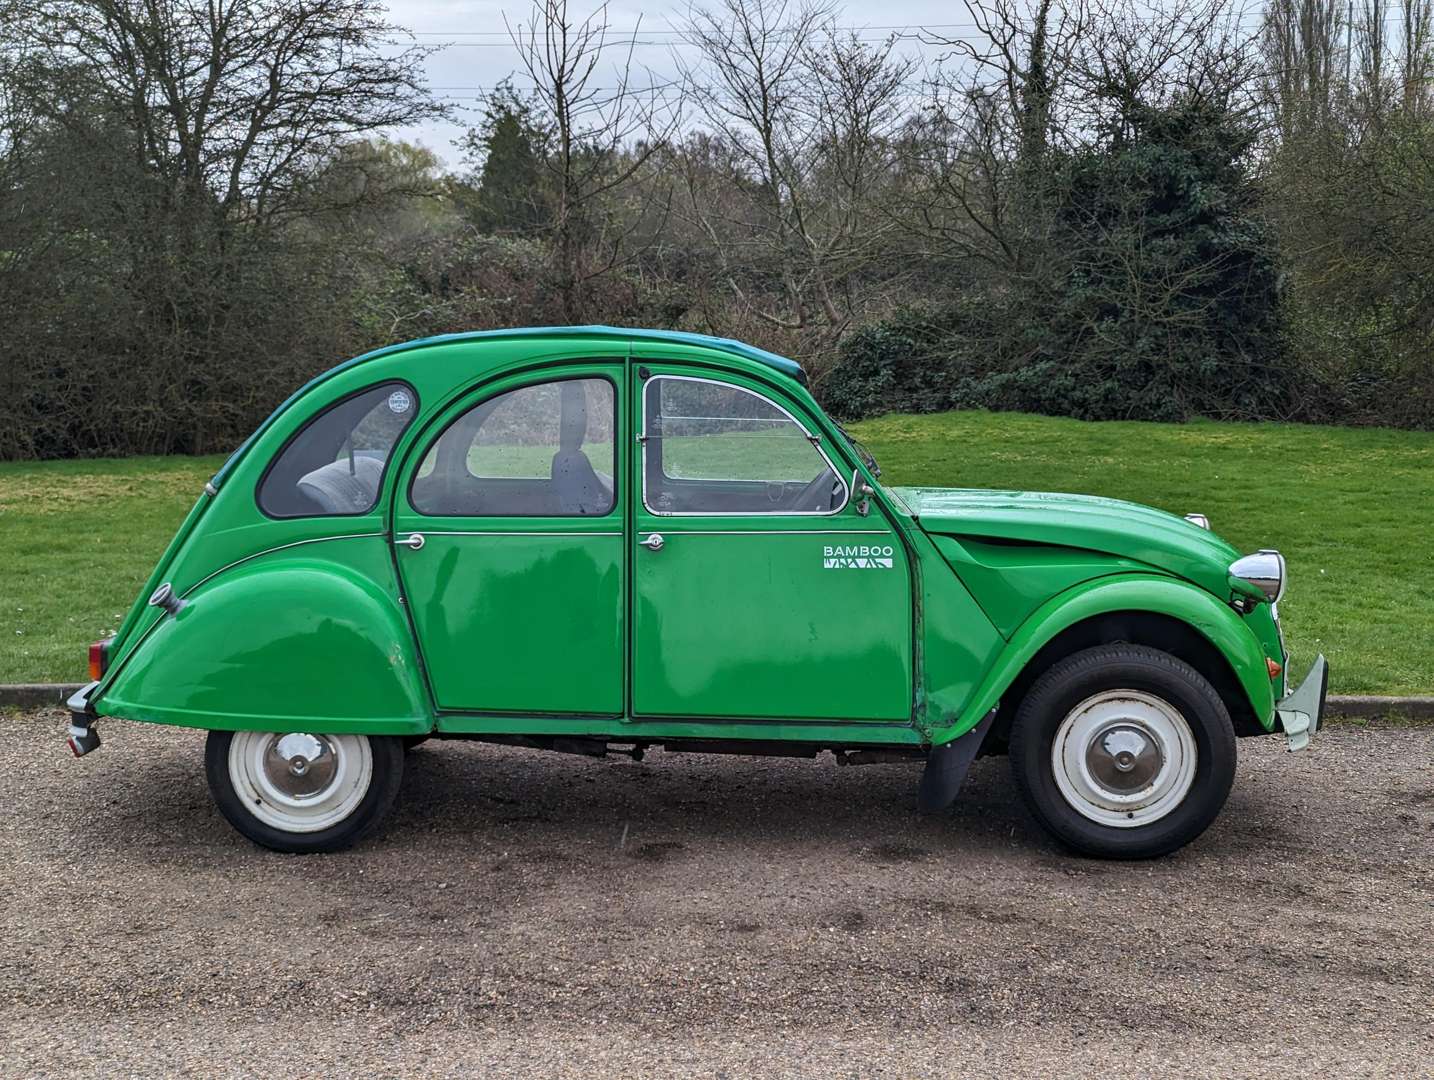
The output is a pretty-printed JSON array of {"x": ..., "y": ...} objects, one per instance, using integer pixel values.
[{"x": 1301, "y": 711}]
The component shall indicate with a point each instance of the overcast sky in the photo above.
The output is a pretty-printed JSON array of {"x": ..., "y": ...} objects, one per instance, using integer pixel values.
[{"x": 477, "y": 53}]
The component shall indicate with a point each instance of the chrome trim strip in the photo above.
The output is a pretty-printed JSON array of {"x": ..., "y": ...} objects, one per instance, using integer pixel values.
[
  {"x": 270, "y": 551},
  {"x": 814, "y": 440},
  {"x": 774, "y": 532},
  {"x": 210, "y": 489},
  {"x": 478, "y": 532}
]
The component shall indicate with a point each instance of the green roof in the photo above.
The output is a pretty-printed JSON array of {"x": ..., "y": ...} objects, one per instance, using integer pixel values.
[{"x": 675, "y": 337}]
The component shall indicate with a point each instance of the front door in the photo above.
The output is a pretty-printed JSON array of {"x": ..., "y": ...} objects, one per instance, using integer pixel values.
[
  {"x": 760, "y": 591},
  {"x": 509, "y": 537}
]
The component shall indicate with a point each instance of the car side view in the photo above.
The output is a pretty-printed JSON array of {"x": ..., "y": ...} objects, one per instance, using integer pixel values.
[{"x": 599, "y": 540}]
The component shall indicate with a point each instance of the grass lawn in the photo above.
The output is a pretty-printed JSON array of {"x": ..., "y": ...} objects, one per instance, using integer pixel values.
[
  {"x": 77, "y": 541},
  {"x": 1351, "y": 509}
]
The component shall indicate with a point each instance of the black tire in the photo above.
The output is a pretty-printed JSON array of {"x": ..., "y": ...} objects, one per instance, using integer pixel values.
[
  {"x": 413, "y": 742},
  {"x": 366, "y": 815},
  {"x": 1074, "y": 680}
]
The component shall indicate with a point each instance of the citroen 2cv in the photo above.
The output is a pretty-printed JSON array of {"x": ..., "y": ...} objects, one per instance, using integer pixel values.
[{"x": 599, "y": 540}]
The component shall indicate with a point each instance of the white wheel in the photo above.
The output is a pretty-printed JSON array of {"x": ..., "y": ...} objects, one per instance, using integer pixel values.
[
  {"x": 300, "y": 783},
  {"x": 1124, "y": 758}
]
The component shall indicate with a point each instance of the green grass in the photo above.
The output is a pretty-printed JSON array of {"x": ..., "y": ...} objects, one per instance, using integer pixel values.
[
  {"x": 1353, "y": 510},
  {"x": 78, "y": 539}
]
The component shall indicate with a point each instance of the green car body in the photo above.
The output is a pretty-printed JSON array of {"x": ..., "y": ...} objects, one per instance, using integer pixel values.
[{"x": 843, "y": 616}]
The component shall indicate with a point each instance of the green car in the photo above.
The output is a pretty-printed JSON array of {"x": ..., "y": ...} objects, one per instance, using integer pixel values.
[{"x": 597, "y": 540}]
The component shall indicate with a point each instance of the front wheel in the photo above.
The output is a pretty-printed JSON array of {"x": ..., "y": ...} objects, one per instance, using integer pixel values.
[
  {"x": 303, "y": 793},
  {"x": 1123, "y": 751}
]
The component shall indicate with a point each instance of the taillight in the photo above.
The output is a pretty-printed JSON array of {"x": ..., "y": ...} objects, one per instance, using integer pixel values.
[{"x": 97, "y": 659}]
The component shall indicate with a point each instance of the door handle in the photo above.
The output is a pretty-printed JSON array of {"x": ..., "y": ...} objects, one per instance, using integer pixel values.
[
  {"x": 413, "y": 540},
  {"x": 653, "y": 542}
]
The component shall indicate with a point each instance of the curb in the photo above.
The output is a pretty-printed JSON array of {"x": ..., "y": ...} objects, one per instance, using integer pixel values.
[
  {"x": 1370, "y": 707},
  {"x": 36, "y": 695},
  {"x": 1348, "y": 706}
]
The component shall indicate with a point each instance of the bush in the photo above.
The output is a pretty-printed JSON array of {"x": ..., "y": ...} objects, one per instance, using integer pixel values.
[
  {"x": 1152, "y": 292},
  {"x": 891, "y": 366}
]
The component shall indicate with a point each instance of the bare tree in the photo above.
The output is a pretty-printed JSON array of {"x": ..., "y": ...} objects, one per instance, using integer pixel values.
[
  {"x": 991, "y": 120},
  {"x": 603, "y": 138},
  {"x": 1304, "y": 55},
  {"x": 807, "y": 113},
  {"x": 230, "y": 102},
  {"x": 1416, "y": 61},
  {"x": 1039, "y": 77}
]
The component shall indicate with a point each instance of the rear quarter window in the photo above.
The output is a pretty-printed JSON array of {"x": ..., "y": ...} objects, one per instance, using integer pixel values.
[{"x": 335, "y": 465}]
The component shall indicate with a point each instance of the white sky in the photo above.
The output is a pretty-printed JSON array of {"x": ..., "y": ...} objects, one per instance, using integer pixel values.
[{"x": 477, "y": 53}]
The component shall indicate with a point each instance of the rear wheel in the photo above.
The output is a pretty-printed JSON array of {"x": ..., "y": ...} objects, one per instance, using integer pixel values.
[
  {"x": 303, "y": 792},
  {"x": 1123, "y": 751}
]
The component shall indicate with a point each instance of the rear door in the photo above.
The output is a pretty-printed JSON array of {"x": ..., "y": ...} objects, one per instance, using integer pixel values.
[
  {"x": 760, "y": 591},
  {"x": 509, "y": 536}
]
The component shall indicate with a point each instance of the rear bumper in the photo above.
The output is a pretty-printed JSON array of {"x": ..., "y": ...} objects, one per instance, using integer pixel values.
[
  {"x": 79, "y": 703},
  {"x": 1301, "y": 711},
  {"x": 82, "y": 736}
]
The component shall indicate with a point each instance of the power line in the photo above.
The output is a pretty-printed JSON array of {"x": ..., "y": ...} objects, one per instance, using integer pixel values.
[{"x": 683, "y": 34}]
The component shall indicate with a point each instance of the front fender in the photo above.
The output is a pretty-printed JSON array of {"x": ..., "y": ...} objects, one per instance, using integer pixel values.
[
  {"x": 306, "y": 639},
  {"x": 1195, "y": 607}
]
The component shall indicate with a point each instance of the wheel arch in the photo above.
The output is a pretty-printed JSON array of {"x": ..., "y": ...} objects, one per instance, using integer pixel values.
[
  {"x": 307, "y": 638},
  {"x": 1163, "y": 613}
]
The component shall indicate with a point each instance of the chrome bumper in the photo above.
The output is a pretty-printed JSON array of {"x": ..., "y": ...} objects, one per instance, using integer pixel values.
[{"x": 1301, "y": 711}]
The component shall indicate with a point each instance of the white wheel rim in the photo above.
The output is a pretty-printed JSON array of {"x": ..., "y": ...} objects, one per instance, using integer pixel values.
[
  {"x": 297, "y": 782},
  {"x": 1124, "y": 758}
]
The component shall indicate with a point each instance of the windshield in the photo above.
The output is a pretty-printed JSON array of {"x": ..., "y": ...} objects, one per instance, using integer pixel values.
[{"x": 867, "y": 458}]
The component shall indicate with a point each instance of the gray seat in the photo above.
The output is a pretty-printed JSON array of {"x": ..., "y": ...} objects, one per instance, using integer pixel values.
[
  {"x": 339, "y": 491},
  {"x": 576, "y": 484}
]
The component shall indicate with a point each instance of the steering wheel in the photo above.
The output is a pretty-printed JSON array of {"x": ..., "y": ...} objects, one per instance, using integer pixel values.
[{"x": 823, "y": 489}]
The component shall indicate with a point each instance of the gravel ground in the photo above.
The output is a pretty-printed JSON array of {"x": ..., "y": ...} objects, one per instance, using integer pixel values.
[{"x": 764, "y": 917}]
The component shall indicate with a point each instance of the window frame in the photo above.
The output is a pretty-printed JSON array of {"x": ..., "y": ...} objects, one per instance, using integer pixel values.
[
  {"x": 278, "y": 456},
  {"x": 463, "y": 411},
  {"x": 813, "y": 439}
]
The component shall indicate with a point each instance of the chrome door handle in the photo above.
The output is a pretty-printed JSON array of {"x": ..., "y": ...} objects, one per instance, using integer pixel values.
[
  {"x": 414, "y": 540},
  {"x": 653, "y": 542}
]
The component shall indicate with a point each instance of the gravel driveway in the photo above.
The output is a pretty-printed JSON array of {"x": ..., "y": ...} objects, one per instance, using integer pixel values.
[{"x": 764, "y": 917}]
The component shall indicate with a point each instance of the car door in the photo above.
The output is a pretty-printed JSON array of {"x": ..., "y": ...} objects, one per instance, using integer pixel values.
[
  {"x": 760, "y": 589},
  {"x": 509, "y": 539}
]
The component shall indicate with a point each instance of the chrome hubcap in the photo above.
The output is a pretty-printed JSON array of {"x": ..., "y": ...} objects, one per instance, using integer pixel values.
[
  {"x": 1124, "y": 758},
  {"x": 301, "y": 766},
  {"x": 300, "y": 782}
]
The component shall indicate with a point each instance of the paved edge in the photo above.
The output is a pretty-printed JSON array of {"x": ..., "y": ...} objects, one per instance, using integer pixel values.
[
  {"x": 1347, "y": 706},
  {"x": 35, "y": 695}
]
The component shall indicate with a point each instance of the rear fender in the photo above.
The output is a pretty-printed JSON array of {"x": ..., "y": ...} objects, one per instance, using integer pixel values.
[
  {"x": 310, "y": 638},
  {"x": 1188, "y": 603}
]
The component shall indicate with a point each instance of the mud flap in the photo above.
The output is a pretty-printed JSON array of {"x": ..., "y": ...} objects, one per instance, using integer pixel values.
[{"x": 947, "y": 765}]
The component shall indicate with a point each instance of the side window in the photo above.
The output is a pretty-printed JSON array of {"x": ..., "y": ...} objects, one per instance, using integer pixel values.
[
  {"x": 545, "y": 450},
  {"x": 335, "y": 464},
  {"x": 714, "y": 448}
]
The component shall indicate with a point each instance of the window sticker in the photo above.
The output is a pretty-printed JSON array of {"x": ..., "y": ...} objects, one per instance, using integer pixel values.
[{"x": 399, "y": 402}]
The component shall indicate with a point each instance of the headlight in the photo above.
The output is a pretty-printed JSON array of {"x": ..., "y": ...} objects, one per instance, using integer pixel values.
[
  {"x": 1265, "y": 570},
  {"x": 1198, "y": 519}
]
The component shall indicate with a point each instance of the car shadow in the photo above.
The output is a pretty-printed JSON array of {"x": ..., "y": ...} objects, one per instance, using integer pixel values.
[{"x": 455, "y": 793}]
